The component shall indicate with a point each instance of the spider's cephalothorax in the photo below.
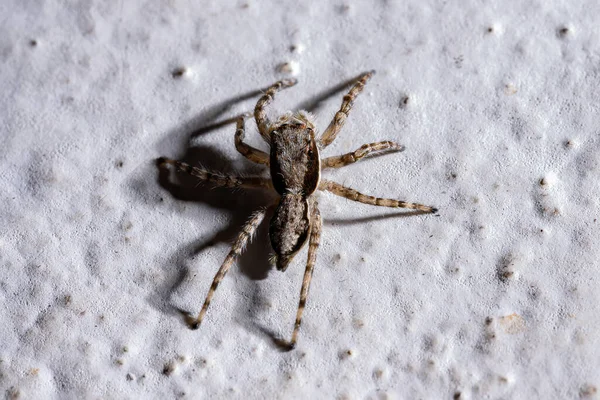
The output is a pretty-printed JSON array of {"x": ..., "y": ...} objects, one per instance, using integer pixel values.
[
  {"x": 295, "y": 167},
  {"x": 295, "y": 172}
]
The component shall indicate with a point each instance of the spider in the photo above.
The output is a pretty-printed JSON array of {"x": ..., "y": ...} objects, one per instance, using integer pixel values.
[{"x": 295, "y": 166}]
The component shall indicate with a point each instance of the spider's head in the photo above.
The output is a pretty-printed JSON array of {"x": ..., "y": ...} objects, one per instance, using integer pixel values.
[
  {"x": 299, "y": 121},
  {"x": 289, "y": 228}
]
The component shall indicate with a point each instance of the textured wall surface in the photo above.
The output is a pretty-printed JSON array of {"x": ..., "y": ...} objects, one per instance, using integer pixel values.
[{"x": 496, "y": 103}]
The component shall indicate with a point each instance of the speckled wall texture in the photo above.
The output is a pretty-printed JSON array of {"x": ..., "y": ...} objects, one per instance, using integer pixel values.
[{"x": 496, "y": 103}]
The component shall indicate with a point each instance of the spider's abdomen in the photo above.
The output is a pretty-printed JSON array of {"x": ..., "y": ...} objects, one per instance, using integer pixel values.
[
  {"x": 289, "y": 228},
  {"x": 294, "y": 161}
]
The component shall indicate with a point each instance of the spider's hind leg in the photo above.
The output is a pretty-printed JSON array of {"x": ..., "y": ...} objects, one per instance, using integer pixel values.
[
  {"x": 355, "y": 195},
  {"x": 238, "y": 246},
  {"x": 313, "y": 245}
]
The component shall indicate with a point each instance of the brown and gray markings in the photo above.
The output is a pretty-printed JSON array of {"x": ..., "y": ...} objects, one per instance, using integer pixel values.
[{"x": 295, "y": 167}]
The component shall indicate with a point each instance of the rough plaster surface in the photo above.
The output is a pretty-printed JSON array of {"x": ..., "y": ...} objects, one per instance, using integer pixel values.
[{"x": 496, "y": 102}]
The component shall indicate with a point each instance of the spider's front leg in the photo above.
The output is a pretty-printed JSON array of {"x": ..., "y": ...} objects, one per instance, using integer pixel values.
[
  {"x": 313, "y": 245},
  {"x": 251, "y": 153},
  {"x": 260, "y": 113},
  {"x": 340, "y": 117},
  {"x": 364, "y": 151}
]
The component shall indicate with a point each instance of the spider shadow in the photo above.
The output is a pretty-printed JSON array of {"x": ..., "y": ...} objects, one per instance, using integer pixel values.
[
  {"x": 239, "y": 205},
  {"x": 185, "y": 188},
  {"x": 373, "y": 218},
  {"x": 278, "y": 342},
  {"x": 314, "y": 103},
  {"x": 208, "y": 120}
]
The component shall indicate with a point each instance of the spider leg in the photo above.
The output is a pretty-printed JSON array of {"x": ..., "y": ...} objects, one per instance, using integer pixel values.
[
  {"x": 238, "y": 246},
  {"x": 313, "y": 245},
  {"x": 251, "y": 153},
  {"x": 260, "y": 113},
  {"x": 364, "y": 151},
  {"x": 227, "y": 181},
  {"x": 354, "y": 195},
  {"x": 340, "y": 117}
]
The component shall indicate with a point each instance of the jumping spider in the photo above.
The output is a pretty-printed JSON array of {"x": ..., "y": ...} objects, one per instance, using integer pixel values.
[{"x": 295, "y": 166}]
